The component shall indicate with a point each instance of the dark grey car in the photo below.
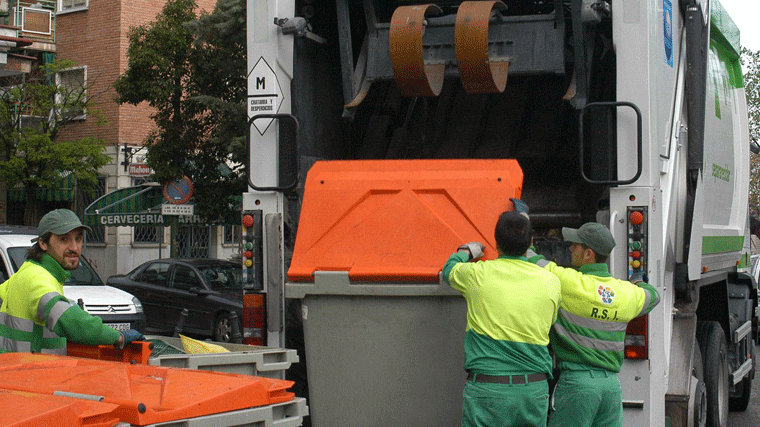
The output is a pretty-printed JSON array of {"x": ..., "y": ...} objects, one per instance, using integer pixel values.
[{"x": 210, "y": 289}]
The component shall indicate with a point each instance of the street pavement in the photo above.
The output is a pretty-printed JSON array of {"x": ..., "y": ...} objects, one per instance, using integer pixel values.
[{"x": 750, "y": 417}]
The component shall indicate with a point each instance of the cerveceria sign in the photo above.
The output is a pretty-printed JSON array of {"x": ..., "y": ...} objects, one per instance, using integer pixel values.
[
  {"x": 141, "y": 205},
  {"x": 144, "y": 219}
]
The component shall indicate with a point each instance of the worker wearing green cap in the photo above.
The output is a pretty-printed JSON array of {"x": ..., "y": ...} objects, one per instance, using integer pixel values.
[
  {"x": 589, "y": 335},
  {"x": 35, "y": 316}
]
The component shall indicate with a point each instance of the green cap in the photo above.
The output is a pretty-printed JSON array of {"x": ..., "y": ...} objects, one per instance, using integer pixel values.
[
  {"x": 60, "y": 221},
  {"x": 592, "y": 234}
]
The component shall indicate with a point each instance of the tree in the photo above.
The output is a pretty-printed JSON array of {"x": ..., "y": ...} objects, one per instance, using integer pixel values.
[
  {"x": 192, "y": 71},
  {"x": 33, "y": 110},
  {"x": 751, "y": 66}
]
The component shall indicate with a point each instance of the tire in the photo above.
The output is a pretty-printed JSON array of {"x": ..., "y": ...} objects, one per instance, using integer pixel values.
[
  {"x": 698, "y": 408},
  {"x": 712, "y": 342},
  {"x": 223, "y": 328},
  {"x": 741, "y": 402},
  {"x": 699, "y": 416}
]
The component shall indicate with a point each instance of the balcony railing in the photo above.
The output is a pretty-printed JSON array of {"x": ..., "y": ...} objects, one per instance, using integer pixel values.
[{"x": 35, "y": 20}]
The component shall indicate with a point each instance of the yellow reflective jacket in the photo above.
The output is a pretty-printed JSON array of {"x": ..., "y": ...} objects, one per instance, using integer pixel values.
[{"x": 36, "y": 317}]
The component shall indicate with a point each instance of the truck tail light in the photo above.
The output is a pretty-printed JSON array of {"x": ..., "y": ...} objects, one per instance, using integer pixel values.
[
  {"x": 636, "y": 345},
  {"x": 254, "y": 330}
]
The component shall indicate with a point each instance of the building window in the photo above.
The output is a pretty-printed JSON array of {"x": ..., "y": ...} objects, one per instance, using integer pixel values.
[
  {"x": 231, "y": 235},
  {"x": 72, "y": 5},
  {"x": 193, "y": 241},
  {"x": 72, "y": 93}
]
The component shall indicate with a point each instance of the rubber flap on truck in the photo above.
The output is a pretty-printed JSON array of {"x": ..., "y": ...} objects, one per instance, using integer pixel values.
[
  {"x": 399, "y": 220},
  {"x": 144, "y": 394}
]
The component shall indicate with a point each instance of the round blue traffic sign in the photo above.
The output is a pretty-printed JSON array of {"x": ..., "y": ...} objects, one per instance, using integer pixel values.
[{"x": 178, "y": 191}]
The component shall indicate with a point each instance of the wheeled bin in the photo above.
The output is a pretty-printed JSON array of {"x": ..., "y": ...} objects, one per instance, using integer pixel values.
[{"x": 384, "y": 336}]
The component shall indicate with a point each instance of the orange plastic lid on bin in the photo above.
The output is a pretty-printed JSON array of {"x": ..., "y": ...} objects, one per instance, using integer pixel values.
[
  {"x": 135, "y": 352},
  {"x": 144, "y": 394},
  {"x": 24, "y": 409},
  {"x": 399, "y": 220}
]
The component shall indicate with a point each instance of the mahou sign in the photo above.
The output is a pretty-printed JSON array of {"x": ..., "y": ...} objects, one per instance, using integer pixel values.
[{"x": 139, "y": 169}]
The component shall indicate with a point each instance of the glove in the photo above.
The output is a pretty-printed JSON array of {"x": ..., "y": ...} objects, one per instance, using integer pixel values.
[
  {"x": 639, "y": 277},
  {"x": 475, "y": 248},
  {"x": 520, "y": 207},
  {"x": 131, "y": 335}
]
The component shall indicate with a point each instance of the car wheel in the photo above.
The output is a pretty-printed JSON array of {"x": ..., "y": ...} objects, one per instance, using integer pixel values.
[{"x": 223, "y": 328}]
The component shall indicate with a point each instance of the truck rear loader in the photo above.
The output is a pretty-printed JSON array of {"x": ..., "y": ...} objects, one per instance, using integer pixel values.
[{"x": 416, "y": 123}]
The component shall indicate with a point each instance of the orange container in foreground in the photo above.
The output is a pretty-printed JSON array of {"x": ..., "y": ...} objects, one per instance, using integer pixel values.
[
  {"x": 136, "y": 352},
  {"x": 142, "y": 394}
]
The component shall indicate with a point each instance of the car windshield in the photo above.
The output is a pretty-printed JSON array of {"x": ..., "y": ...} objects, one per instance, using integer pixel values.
[
  {"x": 83, "y": 275},
  {"x": 222, "y": 277}
]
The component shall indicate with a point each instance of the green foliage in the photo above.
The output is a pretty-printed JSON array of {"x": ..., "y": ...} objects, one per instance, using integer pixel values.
[
  {"x": 751, "y": 66},
  {"x": 191, "y": 69},
  {"x": 32, "y": 113}
]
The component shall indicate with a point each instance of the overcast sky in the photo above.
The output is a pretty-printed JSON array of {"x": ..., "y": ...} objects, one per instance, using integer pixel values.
[{"x": 746, "y": 15}]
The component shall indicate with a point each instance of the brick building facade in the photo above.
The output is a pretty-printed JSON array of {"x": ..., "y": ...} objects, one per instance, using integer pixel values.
[{"x": 94, "y": 35}]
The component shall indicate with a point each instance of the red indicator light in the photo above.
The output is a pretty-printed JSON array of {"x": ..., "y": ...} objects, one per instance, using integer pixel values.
[
  {"x": 247, "y": 254},
  {"x": 247, "y": 221},
  {"x": 636, "y": 218},
  {"x": 635, "y": 254}
]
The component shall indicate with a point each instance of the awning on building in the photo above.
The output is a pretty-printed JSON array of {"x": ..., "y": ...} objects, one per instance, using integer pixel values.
[
  {"x": 63, "y": 191},
  {"x": 140, "y": 205}
]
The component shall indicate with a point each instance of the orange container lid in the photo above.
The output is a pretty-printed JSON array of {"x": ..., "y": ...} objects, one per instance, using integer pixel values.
[
  {"x": 135, "y": 352},
  {"x": 399, "y": 220},
  {"x": 144, "y": 394},
  {"x": 24, "y": 409}
]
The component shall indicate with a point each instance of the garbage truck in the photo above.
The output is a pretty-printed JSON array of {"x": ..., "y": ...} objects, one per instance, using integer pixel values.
[{"x": 383, "y": 134}]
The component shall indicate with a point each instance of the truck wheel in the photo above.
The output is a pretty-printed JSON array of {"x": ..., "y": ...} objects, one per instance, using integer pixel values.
[
  {"x": 223, "y": 328},
  {"x": 712, "y": 342},
  {"x": 699, "y": 405},
  {"x": 698, "y": 408},
  {"x": 741, "y": 402}
]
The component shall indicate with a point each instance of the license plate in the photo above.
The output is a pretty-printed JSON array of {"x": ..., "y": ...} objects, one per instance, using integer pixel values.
[{"x": 119, "y": 326}]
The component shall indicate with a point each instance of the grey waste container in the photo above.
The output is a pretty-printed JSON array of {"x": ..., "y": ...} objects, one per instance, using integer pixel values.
[{"x": 382, "y": 354}]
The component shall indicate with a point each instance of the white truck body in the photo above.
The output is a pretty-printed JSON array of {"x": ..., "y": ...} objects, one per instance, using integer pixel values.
[{"x": 683, "y": 162}]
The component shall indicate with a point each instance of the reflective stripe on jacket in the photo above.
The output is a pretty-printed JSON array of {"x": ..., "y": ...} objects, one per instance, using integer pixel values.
[
  {"x": 595, "y": 310},
  {"x": 33, "y": 303},
  {"x": 511, "y": 305}
]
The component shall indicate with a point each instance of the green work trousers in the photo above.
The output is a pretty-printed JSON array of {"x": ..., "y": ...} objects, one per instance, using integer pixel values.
[
  {"x": 505, "y": 405},
  {"x": 588, "y": 398}
]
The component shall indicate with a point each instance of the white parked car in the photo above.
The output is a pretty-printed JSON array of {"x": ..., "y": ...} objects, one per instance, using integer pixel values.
[{"x": 118, "y": 309}]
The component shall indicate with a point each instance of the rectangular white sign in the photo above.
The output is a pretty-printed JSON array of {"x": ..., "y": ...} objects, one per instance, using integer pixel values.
[{"x": 169, "y": 209}]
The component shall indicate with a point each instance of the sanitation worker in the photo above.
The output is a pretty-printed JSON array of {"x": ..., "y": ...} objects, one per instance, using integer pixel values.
[
  {"x": 511, "y": 305},
  {"x": 589, "y": 335},
  {"x": 35, "y": 316}
]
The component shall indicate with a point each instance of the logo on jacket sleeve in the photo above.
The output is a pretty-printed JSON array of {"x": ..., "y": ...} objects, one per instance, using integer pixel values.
[{"x": 606, "y": 294}]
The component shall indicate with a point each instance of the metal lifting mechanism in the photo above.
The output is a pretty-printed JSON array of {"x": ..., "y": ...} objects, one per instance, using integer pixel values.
[
  {"x": 413, "y": 76},
  {"x": 417, "y": 76},
  {"x": 478, "y": 72}
]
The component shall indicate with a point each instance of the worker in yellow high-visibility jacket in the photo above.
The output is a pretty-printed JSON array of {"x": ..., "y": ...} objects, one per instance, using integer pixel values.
[
  {"x": 589, "y": 336},
  {"x": 35, "y": 316},
  {"x": 511, "y": 305}
]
